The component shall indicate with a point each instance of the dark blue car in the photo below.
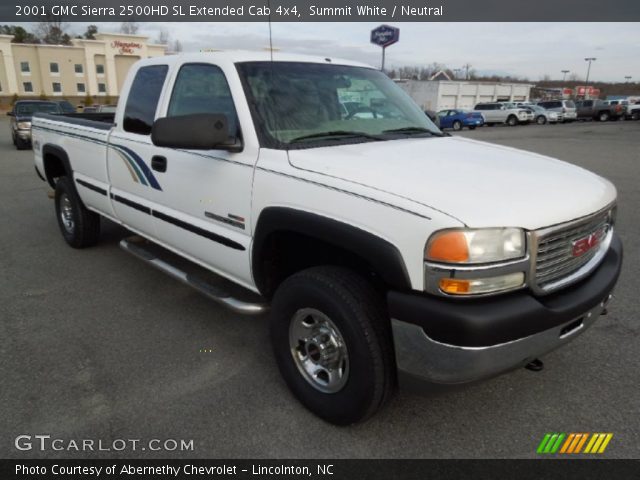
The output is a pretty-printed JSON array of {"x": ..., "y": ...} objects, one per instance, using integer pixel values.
[{"x": 458, "y": 119}]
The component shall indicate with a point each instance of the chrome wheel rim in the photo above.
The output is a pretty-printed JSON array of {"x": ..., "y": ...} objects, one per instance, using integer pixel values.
[
  {"x": 318, "y": 350},
  {"x": 66, "y": 213}
]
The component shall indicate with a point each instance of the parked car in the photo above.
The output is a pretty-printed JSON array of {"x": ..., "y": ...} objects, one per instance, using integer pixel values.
[
  {"x": 380, "y": 244},
  {"x": 540, "y": 115},
  {"x": 566, "y": 109},
  {"x": 21, "y": 115},
  {"x": 496, "y": 112},
  {"x": 65, "y": 106},
  {"x": 633, "y": 112},
  {"x": 599, "y": 110},
  {"x": 457, "y": 119}
]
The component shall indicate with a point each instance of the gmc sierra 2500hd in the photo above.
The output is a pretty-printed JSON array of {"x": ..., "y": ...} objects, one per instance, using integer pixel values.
[{"x": 379, "y": 243}]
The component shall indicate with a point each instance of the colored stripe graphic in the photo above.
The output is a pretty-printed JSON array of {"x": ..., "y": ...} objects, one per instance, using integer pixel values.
[
  {"x": 573, "y": 443},
  {"x": 143, "y": 166}
]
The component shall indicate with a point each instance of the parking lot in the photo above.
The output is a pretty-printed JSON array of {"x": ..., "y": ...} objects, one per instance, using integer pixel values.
[{"x": 96, "y": 345}]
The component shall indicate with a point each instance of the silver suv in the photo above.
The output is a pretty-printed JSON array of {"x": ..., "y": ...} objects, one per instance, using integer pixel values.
[
  {"x": 496, "y": 112},
  {"x": 566, "y": 109}
]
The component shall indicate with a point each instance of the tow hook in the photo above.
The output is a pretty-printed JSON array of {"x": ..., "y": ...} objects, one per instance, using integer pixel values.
[
  {"x": 605, "y": 302},
  {"x": 535, "y": 365}
]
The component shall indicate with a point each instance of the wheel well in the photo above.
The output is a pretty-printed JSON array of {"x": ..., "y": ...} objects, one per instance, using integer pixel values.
[
  {"x": 287, "y": 252},
  {"x": 55, "y": 165}
]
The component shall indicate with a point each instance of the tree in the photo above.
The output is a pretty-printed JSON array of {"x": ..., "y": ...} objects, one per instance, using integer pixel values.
[
  {"x": 43, "y": 96},
  {"x": 90, "y": 34},
  {"x": 88, "y": 100},
  {"x": 163, "y": 37},
  {"x": 129, "y": 28},
  {"x": 20, "y": 35},
  {"x": 177, "y": 46},
  {"x": 52, "y": 31}
]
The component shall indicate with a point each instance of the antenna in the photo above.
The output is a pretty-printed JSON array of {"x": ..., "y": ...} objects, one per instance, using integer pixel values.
[{"x": 270, "y": 35}]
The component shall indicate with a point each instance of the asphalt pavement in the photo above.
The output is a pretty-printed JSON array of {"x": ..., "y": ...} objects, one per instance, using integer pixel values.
[{"x": 95, "y": 345}]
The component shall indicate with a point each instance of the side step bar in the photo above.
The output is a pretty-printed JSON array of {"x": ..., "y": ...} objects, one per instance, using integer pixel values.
[{"x": 132, "y": 246}]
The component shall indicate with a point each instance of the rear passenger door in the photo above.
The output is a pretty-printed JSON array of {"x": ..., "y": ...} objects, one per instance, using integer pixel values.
[
  {"x": 204, "y": 209},
  {"x": 135, "y": 187}
]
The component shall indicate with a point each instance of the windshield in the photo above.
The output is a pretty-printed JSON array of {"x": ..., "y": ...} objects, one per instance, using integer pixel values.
[
  {"x": 302, "y": 103},
  {"x": 31, "y": 108}
]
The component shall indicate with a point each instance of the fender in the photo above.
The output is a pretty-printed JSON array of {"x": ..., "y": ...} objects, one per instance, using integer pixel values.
[
  {"x": 381, "y": 255},
  {"x": 51, "y": 172}
]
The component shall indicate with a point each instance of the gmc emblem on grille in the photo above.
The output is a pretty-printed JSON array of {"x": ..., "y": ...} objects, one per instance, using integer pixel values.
[{"x": 584, "y": 244}]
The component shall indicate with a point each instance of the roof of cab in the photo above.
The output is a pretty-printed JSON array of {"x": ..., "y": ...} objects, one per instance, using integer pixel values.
[{"x": 238, "y": 56}]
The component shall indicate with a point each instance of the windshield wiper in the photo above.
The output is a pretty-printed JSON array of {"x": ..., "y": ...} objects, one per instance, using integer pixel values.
[
  {"x": 335, "y": 133},
  {"x": 412, "y": 130}
]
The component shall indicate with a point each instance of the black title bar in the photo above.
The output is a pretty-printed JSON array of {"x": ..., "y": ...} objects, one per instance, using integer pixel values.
[{"x": 321, "y": 10}]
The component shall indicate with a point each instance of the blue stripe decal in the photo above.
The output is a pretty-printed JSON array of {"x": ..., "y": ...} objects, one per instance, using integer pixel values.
[{"x": 143, "y": 166}]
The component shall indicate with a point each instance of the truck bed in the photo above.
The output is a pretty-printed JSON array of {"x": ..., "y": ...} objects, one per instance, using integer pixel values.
[{"x": 100, "y": 120}]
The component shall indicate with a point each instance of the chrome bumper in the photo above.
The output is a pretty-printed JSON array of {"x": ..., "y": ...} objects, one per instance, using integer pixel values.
[{"x": 435, "y": 362}]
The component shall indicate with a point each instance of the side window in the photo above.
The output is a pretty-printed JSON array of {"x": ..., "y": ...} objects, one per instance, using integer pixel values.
[
  {"x": 143, "y": 99},
  {"x": 203, "y": 88}
]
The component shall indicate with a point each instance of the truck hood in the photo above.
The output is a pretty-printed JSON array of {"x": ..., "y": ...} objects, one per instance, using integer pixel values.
[{"x": 478, "y": 183}]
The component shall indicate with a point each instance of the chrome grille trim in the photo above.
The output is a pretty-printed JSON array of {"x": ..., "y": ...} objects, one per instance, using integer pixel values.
[{"x": 553, "y": 265}]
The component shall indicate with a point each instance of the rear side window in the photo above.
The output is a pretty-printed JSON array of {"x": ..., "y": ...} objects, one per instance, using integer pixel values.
[
  {"x": 142, "y": 101},
  {"x": 570, "y": 104},
  {"x": 203, "y": 88}
]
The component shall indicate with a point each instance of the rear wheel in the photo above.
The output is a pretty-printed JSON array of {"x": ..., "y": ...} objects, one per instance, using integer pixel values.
[
  {"x": 79, "y": 226},
  {"x": 604, "y": 116},
  {"x": 457, "y": 125},
  {"x": 635, "y": 115},
  {"x": 332, "y": 342}
]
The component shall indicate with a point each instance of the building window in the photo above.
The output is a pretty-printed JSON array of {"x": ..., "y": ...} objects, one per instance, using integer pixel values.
[
  {"x": 78, "y": 68},
  {"x": 80, "y": 87},
  {"x": 100, "y": 69},
  {"x": 102, "y": 88},
  {"x": 24, "y": 67},
  {"x": 57, "y": 87},
  {"x": 54, "y": 67},
  {"x": 27, "y": 86}
]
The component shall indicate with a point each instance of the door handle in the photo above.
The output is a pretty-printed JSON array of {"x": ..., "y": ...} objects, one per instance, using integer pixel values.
[{"x": 159, "y": 163}]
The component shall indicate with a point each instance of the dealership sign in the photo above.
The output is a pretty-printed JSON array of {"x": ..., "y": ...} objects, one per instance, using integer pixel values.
[
  {"x": 585, "y": 91},
  {"x": 385, "y": 35}
]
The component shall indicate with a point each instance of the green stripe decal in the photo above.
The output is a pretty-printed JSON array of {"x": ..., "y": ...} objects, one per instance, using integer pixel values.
[
  {"x": 133, "y": 164},
  {"x": 543, "y": 443},
  {"x": 550, "y": 443},
  {"x": 555, "y": 448}
]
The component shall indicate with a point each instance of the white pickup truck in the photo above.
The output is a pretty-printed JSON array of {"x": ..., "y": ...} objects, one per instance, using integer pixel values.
[{"x": 378, "y": 243}]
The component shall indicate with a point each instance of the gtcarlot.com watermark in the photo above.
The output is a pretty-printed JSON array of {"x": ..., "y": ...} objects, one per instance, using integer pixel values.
[{"x": 47, "y": 443}]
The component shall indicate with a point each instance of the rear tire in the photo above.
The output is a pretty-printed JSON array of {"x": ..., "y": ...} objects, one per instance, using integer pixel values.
[
  {"x": 635, "y": 115},
  {"x": 79, "y": 226},
  {"x": 604, "y": 116},
  {"x": 332, "y": 341}
]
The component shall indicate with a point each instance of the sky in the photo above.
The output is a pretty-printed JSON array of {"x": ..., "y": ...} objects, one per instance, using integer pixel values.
[{"x": 530, "y": 50}]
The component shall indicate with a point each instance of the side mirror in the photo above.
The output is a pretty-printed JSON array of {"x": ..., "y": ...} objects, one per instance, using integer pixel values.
[
  {"x": 198, "y": 131},
  {"x": 10, "y": 114}
]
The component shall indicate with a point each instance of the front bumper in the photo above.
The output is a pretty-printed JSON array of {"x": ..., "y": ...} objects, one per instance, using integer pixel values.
[
  {"x": 24, "y": 135},
  {"x": 449, "y": 342}
]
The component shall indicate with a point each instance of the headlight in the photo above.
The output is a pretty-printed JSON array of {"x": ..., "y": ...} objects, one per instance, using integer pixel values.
[
  {"x": 24, "y": 125},
  {"x": 469, "y": 246}
]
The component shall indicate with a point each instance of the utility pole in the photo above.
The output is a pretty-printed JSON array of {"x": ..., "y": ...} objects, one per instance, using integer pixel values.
[
  {"x": 456, "y": 72},
  {"x": 564, "y": 74},
  {"x": 589, "y": 59},
  {"x": 466, "y": 67}
]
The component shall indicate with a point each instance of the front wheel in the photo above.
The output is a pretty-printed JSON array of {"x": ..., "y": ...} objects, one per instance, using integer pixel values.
[
  {"x": 512, "y": 121},
  {"x": 457, "y": 125},
  {"x": 603, "y": 116},
  {"x": 541, "y": 120},
  {"x": 332, "y": 342},
  {"x": 79, "y": 226}
]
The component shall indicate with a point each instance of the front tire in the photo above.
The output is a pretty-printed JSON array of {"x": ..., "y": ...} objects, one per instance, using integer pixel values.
[
  {"x": 512, "y": 121},
  {"x": 79, "y": 226},
  {"x": 457, "y": 125},
  {"x": 541, "y": 120},
  {"x": 604, "y": 116},
  {"x": 332, "y": 341}
]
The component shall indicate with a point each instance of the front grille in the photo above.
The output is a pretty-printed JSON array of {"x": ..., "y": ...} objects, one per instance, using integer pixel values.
[{"x": 555, "y": 260}]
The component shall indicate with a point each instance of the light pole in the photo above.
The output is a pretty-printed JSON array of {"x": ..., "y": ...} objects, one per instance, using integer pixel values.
[
  {"x": 628, "y": 78},
  {"x": 589, "y": 59},
  {"x": 564, "y": 74}
]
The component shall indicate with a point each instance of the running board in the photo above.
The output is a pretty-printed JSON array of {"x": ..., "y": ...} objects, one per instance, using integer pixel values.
[{"x": 132, "y": 246}]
